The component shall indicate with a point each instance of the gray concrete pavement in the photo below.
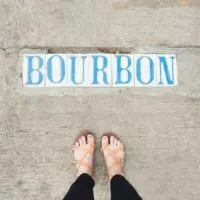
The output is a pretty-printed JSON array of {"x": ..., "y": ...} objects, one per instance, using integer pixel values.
[
  {"x": 89, "y": 23},
  {"x": 159, "y": 126}
]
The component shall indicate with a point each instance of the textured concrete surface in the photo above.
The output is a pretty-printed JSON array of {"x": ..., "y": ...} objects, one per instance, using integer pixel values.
[
  {"x": 99, "y": 23},
  {"x": 159, "y": 126}
]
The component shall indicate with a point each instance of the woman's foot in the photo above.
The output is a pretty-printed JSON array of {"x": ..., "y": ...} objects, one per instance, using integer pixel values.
[
  {"x": 84, "y": 153},
  {"x": 113, "y": 152}
]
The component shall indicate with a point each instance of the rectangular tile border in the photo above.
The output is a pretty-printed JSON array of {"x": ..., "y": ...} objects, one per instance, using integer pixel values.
[{"x": 99, "y": 70}]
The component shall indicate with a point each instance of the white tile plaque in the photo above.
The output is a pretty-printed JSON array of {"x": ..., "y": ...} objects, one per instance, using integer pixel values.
[{"x": 99, "y": 70}]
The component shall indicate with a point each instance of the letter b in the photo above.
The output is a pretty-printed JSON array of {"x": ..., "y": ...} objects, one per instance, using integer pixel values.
[{"x": 32, "y": 70}]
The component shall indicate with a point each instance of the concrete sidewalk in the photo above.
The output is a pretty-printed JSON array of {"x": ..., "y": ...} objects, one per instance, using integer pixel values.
[{"x": 159, "y": 126}]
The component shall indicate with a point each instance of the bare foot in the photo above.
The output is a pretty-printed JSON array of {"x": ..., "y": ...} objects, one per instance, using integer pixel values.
[
  {"x": 113, "y": 152},
  {"x": 84, "y": 153}
]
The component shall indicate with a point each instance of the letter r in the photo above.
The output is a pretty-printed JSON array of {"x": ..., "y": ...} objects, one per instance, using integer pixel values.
[{"x": 101, "y": 69}]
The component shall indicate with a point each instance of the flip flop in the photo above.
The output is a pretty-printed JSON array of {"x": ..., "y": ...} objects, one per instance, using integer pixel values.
[
  {"x": 112, "y": 153},
  {"x": 89, "y": 147}
]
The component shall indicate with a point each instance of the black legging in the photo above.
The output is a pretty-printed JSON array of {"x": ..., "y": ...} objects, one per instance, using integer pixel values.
[{"x": 82, "y": 189}]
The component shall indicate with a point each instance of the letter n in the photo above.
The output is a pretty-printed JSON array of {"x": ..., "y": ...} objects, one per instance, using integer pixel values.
[{"x": 167, "y": 70}]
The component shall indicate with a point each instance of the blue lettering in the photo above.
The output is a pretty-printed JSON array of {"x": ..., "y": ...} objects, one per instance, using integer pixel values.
[
  {"x": 163, "y": 63},
  {"x": 96, "y": 69},
  {"x": 151, "y": 70},
  {"x": 74, "y": 72},
  {"x": 50, "y": 66},
  {"x": 31, "y": 70},
  {"x": 120, "y": 69}
]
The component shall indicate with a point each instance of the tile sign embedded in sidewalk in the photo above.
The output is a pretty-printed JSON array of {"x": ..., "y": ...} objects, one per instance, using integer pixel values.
[{"x": 99, "y": 70}]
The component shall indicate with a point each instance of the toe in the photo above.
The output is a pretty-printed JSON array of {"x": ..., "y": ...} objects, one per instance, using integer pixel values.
[
  {"x": 80, "y": 142},
  {"x": 90, "y": 139},
  {"x": 77, "y": 144},
  {"x": 118, "y": 143},
  {"x": 115, "y": 142},
  {"x": 112, "y": 140},
  {"x": 104, "y": 141},
  {"x": 83, "y": 140}
]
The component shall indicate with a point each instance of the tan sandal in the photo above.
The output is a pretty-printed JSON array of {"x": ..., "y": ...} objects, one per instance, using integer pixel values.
[
  {"x": 113, "y": 152},
  {"x": 84, "y": 158}
]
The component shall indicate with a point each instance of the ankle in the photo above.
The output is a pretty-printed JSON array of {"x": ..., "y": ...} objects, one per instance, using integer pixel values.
[
  {"x": 112, "y": 174},
  {"x": 85, "y": 172}
]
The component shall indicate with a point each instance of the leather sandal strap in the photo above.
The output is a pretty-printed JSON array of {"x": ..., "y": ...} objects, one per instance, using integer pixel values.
[{"x": 82, "y": 161}]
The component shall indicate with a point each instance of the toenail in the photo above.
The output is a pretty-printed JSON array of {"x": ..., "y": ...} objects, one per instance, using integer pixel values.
[
  {"x": 104, "y": 138},
  {"x": 90, "y": 136}
]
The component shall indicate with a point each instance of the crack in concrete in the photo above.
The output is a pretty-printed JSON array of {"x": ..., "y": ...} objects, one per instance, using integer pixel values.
[{"x": 112, "y": 50}]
